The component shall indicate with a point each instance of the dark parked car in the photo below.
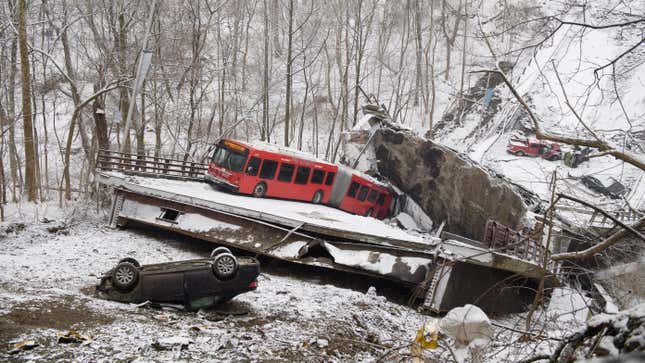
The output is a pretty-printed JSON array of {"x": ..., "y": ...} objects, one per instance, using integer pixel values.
[
  {"x": 611, "y": 188},
  {"x": 196, "y": 283}
]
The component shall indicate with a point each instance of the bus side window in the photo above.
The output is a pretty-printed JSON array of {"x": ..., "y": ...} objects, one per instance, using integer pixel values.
[
  {"x": 353, "y": 188},
  {"x": 286, "y": 172},
  {"x": 330, "y": 178},
  {"x": 302, "y": 175},
  {"x": 381, "y": 199},
  {"x": 253, "y": 167},
  {"x": 363, "y": 193},
  {"x": 317, "y": 177},
  {"x": 268, "y": 169},
  {"x": 372, "y": 196}
]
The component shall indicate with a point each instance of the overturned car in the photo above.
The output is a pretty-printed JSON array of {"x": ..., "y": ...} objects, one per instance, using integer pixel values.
[{"x": 196, "y": 284}]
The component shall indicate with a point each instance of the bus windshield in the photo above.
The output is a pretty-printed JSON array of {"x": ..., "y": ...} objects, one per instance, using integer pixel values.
[{"x": 229, "y": 159}]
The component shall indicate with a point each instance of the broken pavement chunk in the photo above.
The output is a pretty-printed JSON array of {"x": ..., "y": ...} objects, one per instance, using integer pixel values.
[
  {"x": 322, "y": 343},
  {"x": 171, "y": 343},
  {"x": 72, "y": 336},
  {"x": 23, "y": 345}
]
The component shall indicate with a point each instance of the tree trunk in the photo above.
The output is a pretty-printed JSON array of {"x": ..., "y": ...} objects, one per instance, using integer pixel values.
[
  {"x": 34, "y": 123},
  {"x": 419, "y": 44},
  {"x": 345, "y": 78},
  {"x": 14, "y": 158},
  {"x": 3, "y": 180},
  {"x": 287, "y": 104},
  {"x": 124, "y": 97},
  {"x": 275, "y": 27},
  {"x": 264, "y": 131},
  {"x": 304, "y": 102},
  {"x": 450, "y": 38},
  {"x": 463, "y": 65},
  {"x": 28, "y": 138},
  {"x": 100, "y": 123},
  {"x": 141, "y": 145}
]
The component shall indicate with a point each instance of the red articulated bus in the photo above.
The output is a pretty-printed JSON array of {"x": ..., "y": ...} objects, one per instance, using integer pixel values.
[{"x": 268, "y": 170}]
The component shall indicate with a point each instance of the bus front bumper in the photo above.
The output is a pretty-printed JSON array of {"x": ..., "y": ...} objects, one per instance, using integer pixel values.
[{"x": 221, "y": 183}]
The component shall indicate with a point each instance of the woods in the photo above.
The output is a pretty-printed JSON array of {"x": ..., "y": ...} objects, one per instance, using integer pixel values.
[{"x": 206, "y": 75}]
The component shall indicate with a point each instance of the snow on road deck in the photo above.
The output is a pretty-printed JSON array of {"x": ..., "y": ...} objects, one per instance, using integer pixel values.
[{"x": 201, "y": 193}]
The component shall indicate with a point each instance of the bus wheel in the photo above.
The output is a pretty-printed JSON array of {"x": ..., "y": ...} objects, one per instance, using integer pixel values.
[
  {"x": 369, "y": 212},
  {"x": 318, "y": 196},
  {"x": 260, "y": 190}
]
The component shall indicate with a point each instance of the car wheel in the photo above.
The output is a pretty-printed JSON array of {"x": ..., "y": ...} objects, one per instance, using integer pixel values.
[
  {"x": 260, "y": 190},
  {"x": 219, "y": 250},
  {"x": 131, "y": 260},
  {"x": 369, "y": 212},
  {"x": 225, "y": 266},
  {"x": 520, "y": 153},
  {"x": 318, "y": 196},
  {"x": 125, "y": 276}
]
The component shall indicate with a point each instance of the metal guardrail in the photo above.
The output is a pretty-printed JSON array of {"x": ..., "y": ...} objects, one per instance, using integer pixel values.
[
  {"x": 109, "y": 160},
  {"x": 506, "y": 240}
]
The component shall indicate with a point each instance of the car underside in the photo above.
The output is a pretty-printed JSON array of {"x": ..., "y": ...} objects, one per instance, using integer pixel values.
[{"x": 195, "y": 283}]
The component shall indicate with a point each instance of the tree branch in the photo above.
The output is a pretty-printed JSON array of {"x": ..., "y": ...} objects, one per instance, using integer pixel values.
[
  {"x": 614, "y": 219},
  {"x": 609, "y": 241},
  {"x": 591, "y": 26},
  {"x": 595, "y": 71}
]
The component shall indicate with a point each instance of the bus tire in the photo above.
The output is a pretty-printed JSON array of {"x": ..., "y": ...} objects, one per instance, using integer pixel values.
[
  {"x": 260, "y": 190},
  {"x": 369, "y": 212},
  {"x": 318, "y": 197}
]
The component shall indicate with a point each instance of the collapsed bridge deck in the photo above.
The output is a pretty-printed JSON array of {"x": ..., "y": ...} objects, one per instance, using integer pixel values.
[{"x": 311, "y": 234}]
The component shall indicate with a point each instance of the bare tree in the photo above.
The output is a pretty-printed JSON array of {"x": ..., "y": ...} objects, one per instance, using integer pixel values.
[
  {"x": 28, "y": 138},
  {"x": 289, "y": 75},
  {"x": 450, "y": 35}
]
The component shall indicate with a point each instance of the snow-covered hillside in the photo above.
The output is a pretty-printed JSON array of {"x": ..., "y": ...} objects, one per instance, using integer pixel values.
[{"x": 571, "y": 66}]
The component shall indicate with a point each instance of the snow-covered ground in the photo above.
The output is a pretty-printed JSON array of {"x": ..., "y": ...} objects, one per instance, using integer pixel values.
[
  {"x": 50, "y": 267},
  {"x": 46, "y": 287}
]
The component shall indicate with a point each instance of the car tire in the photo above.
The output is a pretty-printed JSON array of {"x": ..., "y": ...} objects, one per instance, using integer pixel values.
[
  {"x": 219, "y": 250},
  {"x": 318, "y": 196},
  {"x": 520, "y": 153},
  {"x": 125, "y": 276},
  {"x": 131, "y": 260},
  {"x": 225, "y": 266},
  {"x": 260, "y": 190},
  {"x": 369, "y": 212}
]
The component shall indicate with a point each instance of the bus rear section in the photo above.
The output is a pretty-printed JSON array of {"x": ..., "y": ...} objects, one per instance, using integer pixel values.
[
  {"x": 227, "y": 165},
  {"x": 357, "y": 194}
]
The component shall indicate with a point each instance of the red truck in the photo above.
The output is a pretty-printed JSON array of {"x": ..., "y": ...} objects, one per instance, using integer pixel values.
[{"x": 530, "y": 147}]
